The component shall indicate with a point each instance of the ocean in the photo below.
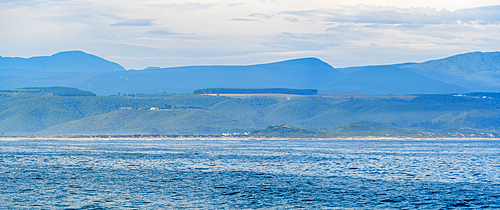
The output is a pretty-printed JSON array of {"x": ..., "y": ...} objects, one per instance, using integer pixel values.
[{"x": 249, "y": 174}]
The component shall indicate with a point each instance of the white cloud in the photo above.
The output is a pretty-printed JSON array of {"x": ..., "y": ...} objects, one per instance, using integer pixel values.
[
  {"x": 134, "y": 22},
  {"x": 235, "y": 4},
  {"x": 138, "y": 34},
  {"x": 243, "y": 19},
  {"x": 185, "y": 6},
  {"x": 162, "y": 32},
  {"x": 395, "y": 15}
]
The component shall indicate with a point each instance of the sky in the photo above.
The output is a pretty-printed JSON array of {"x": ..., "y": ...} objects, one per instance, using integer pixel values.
[{"x": 167, "y": 33}]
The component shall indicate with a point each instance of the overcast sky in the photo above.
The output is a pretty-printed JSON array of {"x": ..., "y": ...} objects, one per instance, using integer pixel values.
[{"x": 163, "y": 33}]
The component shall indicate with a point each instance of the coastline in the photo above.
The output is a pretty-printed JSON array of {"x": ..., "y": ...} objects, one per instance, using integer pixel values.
[{"x": 231, "y": 138}]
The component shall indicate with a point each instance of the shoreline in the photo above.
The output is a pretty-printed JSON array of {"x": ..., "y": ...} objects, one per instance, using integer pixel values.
[{"x": 231, "y": 138}]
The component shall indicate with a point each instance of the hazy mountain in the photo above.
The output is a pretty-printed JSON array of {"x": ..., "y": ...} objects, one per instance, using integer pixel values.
[
  {"x": 70, "y": 61},
  {"x": 387, "y": 80},
  {"x": 457, "y": 74},
  {"x": 299, "y": 73},
  {"x": 477, "y": 70}
]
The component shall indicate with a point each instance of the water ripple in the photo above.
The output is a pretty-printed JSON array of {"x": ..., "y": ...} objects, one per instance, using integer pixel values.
[{"x": 241, "y": 174}]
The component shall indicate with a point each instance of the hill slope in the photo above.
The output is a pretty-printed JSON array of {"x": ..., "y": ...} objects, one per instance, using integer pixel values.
[
  {"x": 35, "y": 113},
  {"x": 70, "y": 61},
  {"x": 300, "y": 74},
  {"x": 172, "y": 121},
  {"x": 480, "y": 71},
  {"x": 476, "y": 71},
  {"x": 388, "y": 80}
]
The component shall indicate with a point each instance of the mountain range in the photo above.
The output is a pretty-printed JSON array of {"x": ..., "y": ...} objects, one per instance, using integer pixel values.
[{"x": 469, "y": 72}]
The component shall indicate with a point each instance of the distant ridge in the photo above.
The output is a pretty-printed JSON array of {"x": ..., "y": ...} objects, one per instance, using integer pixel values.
[
  {"x": 479, "y": 71},
  {"x": 296, "y": 74},
  {"x": 469, "y": 72},
  {"x": 467, "y": 64},
  {"x": 388, "y": 80},
  {"x": 69, "y": 61},
  {"x": 475, "y": 71}
]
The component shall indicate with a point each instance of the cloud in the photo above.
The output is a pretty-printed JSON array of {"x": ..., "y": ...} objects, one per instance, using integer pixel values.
[
  {"x": 19, "y": 2},
  {"x": 235, "y": 4},
  {"x": 189, "y": 6},
  {"x": 291, "y": 19},
  {"x": 295, "y": 35},
  {"x": 490, "y": 14},
  {"x": 375, "y": 14},
  {"x": 243, "y": 19},
  {"x": 14, "y": 1},
  {"x": 134, "y": 22},
  {"x": 395, "y": 15},
  {"x": 226, "y": 31},
  {"x": 378, "y": 16},
  {"x": 162, "y": 32},
  {"x": 260, "y": 15}
]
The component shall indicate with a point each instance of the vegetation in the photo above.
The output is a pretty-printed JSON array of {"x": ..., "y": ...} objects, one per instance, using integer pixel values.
[
  {"x": 289, "y": 131},
  {"x": 364, "y": 131},
  {"x": 20, "y": 90},
  {"x": 146, "y": 95},
  {"x": 66, "y": 111},
  {"x": 256, "y": 91},
  {"x": 56, "y": 91}
]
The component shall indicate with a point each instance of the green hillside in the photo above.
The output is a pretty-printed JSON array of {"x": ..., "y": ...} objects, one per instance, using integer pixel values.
[
  {"x": 56, "y": 91},
  {"x": 170, "y": 121},
  {"x": 31, "y": 111},
  {"x": 289, "y": 131},
  {"x": 256, "y": 91},
  {"x": 363, "y": 130}
]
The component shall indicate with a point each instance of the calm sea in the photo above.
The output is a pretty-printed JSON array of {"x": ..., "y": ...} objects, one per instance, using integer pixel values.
[{"x": 249, "y": 174}]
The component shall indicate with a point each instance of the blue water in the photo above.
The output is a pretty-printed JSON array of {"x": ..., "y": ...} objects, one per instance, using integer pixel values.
[{"x": 249, "y": 174}]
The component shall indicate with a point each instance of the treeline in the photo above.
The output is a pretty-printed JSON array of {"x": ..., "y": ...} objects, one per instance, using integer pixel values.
[
  {"x": 460, "y": 101},
  {"x": 147, "y": 95},
  {"x": 256, "y": 91},
  {"x": 56, "y": 91},
  {"x": 66, "y": 91}
]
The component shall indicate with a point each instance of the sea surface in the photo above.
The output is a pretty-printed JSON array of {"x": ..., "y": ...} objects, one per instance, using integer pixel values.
[{"x": 249, "y": 174}]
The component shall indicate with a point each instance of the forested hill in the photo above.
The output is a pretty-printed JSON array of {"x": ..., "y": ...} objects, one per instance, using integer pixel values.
[
  {"x": 56, "y": 91},
  {"x": 40, "y": 111},
  {"x": 256, "y": 91}
]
